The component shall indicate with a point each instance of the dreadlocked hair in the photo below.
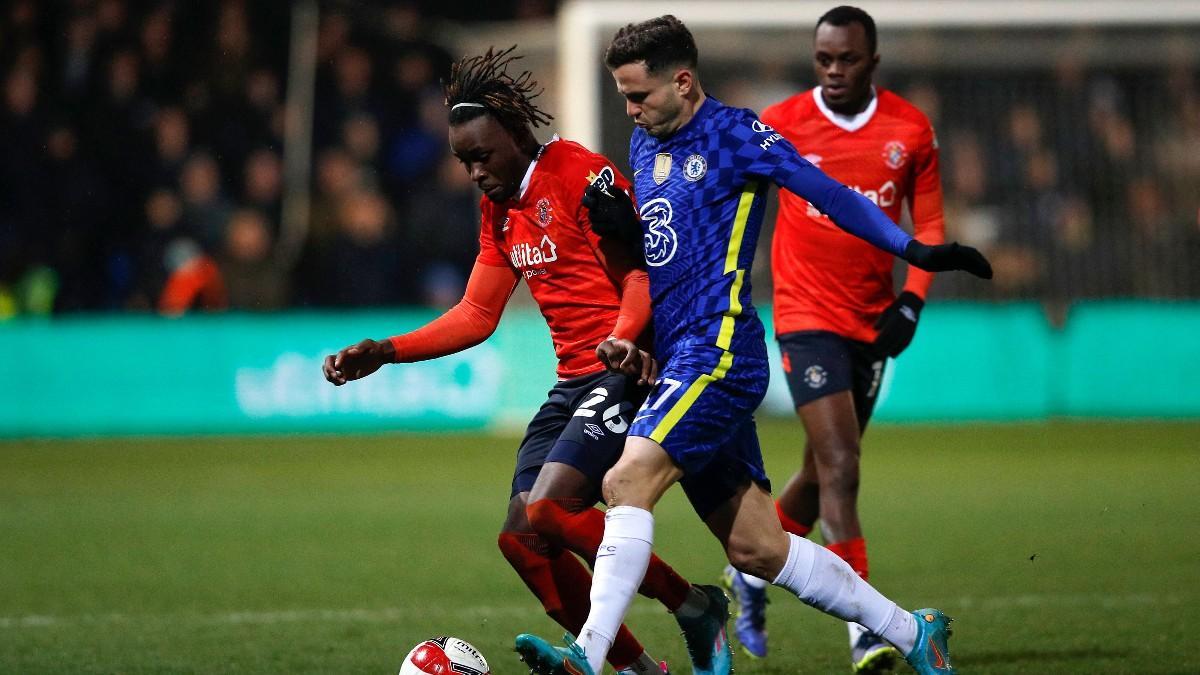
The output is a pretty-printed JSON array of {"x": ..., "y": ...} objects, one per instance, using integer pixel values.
[{"x": 483, "y": 80}]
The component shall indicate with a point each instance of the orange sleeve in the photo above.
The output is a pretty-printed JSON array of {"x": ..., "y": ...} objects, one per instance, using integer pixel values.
[
  {"x": 634, "y": 315},
  {"x": 628, "y": 272},
  {"x": 466, "y": 324},
  {"x": 925, "y": 203}
]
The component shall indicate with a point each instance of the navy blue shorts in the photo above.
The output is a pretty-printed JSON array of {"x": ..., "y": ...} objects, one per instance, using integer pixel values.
[
  {"x": 819, "y": 363},
  {"x": 582, "y": 424},
  {"x": 701, "y": 411}
]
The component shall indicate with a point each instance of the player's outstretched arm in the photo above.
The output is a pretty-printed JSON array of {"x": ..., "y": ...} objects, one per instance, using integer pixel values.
[
  {"x": 860, "y": 216},
  {"x": 464, "y": 325},
  {"x": 622, "y": 356},
  {"x": 357, "y": 361},
  {"x": 778, "y": 160}
]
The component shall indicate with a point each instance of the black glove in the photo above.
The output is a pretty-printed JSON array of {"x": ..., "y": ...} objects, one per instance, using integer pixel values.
[
  {"x": 898, "y": 324},
  {"x": 612, "y": 214},
  {"x": 945, "y": 257}
]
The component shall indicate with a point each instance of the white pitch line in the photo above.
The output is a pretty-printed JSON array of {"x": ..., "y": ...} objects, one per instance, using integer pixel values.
[
  {"x": 488, "y": 612},
  {"x": 385, "y": 614}
]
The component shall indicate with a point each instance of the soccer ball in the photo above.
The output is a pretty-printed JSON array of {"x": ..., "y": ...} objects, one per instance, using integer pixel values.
[{"x": 444, "y": 656}]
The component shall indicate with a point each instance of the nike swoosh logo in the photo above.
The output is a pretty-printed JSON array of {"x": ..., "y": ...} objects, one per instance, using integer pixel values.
[
  {"x": 940, "y": 662},
  {"x": 636, "y": 172},
  {"x": 643, "y": 417}
]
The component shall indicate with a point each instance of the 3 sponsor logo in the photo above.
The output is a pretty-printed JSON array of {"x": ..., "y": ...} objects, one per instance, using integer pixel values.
[{"x": 660, "y": 239}]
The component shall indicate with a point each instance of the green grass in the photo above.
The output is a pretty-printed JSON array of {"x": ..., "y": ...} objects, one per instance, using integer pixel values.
[{"x": 1061, "y": 548}]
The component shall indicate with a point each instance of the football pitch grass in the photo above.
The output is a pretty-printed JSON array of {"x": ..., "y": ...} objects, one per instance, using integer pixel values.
[{"x": 1059, "y": 548}]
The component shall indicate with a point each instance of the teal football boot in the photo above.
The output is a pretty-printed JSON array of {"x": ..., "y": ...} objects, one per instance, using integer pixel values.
[
  {"x": 544, "y": 658},
  {"x": 707, "y": 642},
  {"x": 931, "y": 655}
]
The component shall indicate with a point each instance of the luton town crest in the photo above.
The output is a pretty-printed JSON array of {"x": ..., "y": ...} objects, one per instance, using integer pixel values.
[
  {"x": 544, "y": 212},
  {"x": 815, "y": 376},
  {"x": 894, "y": 154}
]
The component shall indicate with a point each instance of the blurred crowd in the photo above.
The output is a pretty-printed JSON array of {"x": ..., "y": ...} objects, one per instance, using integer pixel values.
[
  {"x": 142, "y": 164},
  {"x": 1078, "y": 182}
]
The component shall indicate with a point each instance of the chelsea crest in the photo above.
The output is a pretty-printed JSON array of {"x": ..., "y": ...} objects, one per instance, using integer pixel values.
[{"x": 694, "y": 168}]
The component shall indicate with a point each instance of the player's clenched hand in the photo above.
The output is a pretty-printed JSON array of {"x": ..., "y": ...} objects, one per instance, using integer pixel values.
[
  {"x": 946, "y": 257},
  {"x": 612, "y": 214},
  {"x": 358, "y": 361},
  {"x": 622, "y": 356},
  {"x": 897, "y": 324}
]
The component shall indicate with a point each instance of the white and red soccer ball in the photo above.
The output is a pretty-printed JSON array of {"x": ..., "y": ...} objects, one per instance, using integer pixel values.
[{"x": 444, "y": 656}]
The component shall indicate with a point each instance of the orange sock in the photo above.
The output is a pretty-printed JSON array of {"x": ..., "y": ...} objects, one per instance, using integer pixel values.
[
  {"x": 580, "y": 528},
  {"x": 854, "y": 552},
  {"x": 789, "y": 525},
  {"x": 562, "y": 584}
]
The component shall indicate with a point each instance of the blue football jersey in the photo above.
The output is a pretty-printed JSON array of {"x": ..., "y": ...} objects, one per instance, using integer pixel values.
[{"x": 701, "y": 194}]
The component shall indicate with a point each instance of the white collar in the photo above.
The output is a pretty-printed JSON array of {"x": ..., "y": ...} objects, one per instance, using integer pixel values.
[
  {"x": 847, "y": 122},
  {"x": 532, "y": 165}
]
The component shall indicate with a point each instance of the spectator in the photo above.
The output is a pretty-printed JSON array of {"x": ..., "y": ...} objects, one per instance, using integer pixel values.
[
  {"x": 253, "y": 277},
  {"x": 205, "y": 208},
  {"x": 364, "y": 266},
  {"x": 263, "y": 183},
  {"x": 172, "y": 139},
  {"x": 75, "y": 220},
  {"x": 442, "y": 225}
]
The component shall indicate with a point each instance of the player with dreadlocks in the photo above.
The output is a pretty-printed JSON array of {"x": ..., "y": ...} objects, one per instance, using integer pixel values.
[{"x": 591, "y": 290}]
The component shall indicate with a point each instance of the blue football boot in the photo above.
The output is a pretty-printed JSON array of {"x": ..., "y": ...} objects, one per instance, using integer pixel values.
[
  {"x": 707, "y": 642},
  {"x": 751, "y": 624},
  {"x": 544, "y": 658},
  {"x": 931, "y": 655}
]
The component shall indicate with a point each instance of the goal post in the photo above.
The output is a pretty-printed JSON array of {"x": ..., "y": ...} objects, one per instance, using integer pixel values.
[{"x": 584, "y": 26}]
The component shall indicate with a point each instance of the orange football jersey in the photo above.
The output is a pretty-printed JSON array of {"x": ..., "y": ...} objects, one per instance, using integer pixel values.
[
  {"x": 544, "y": 234},
  {"x": 825, "y": 278}
]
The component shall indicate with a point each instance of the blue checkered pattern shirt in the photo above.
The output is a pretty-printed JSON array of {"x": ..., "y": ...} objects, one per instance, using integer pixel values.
[{"x": 701, "y": 195}]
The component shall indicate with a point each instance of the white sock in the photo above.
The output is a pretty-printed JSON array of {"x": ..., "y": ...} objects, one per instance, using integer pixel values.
[
  {"x": 753, "y": 581},
  {"x": 695, "y": 604},
  {"x": 621, "y": 563},
  {"x": 823, "y": 580}
]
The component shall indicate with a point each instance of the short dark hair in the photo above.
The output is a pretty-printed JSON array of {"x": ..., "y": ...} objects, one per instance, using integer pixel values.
[
  {"x": 660, "y": 42},
  {"x": 484, "y": 84},
  {"x": 845, "y": 15}
]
